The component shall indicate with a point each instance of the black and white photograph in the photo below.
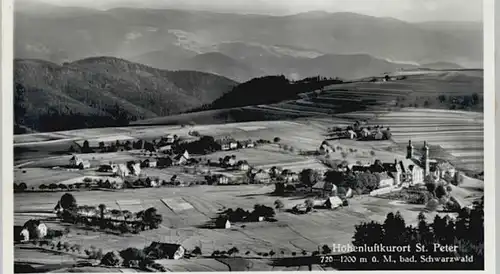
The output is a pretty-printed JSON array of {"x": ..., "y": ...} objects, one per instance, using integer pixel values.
[{"x": 238, "y": 135}]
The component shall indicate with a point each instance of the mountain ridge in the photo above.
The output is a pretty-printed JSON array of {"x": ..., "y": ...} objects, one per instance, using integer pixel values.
[
  {"x": 111, "y": 88},
  {"x": 128, "y": 32}
]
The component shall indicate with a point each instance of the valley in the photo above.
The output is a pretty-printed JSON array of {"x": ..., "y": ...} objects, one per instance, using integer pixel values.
[{"x": 179, "y": 140}]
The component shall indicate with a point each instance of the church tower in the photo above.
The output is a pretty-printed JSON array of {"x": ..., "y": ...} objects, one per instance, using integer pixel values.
[
  {"x": 425, "y": 159},
  {"x": 409, "y": 150}
]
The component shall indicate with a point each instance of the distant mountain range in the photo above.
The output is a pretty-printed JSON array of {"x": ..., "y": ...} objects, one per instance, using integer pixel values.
[
  {"x": 441, "y": 65},
  {"x": 104, "y": 91},
  {"x": 242, "y": 47}
]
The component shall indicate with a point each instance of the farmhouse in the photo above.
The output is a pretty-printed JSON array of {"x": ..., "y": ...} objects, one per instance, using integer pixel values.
[
  {"x": 25, "y": 235},
  {"x": 122, "y": 170},
  {"x": 108, "y": 168},
  {"x": 227, "y": 143},
  {"x": 148, "y": 182},
  {"x": 41, "y": 230},
  {"x": 165, "y": 251},
  {"x": 289, "y": 177},
  {"x": 349, "y": 193},
  {"x": 76, "y": 161},
  {"x": 385, "y": 180},
  {"x": 441, "y": 169},
  {"x": 170, "y": 139},
  {"x": 153, "y": 182},
  {"x": 222, "y": 179},
  {"x": 87, "y": 211},
  {"x": 299, "y": 209},
  {"x": 112, "y": 259},
  {"x": 365, "y": 133},
  {"x": 261, "y": 177},
  {"x": 150, "y": 163},
  {"x": 33, "y": 229},
  {"x": 377, "y": 135},
  {"x": 325, "y": 148},
  {"x": 165, "y": 148},
  {"x": 116, "y": 183},
  {"x": 229, "y": 161},
  {"x": 58, "y": 208},
  {"x": 247, "y": 144},
  {"x": 388, "y": 173},
  {"x": 351, "y": 134},
  {"x": 333, "y": 202},
  {"x": 274, "y": 171},
  {"x": 134, "y": 167},
  {"x": 182, "y": 158},
  {"x": 394, "y": 170},
  {"x": 243, "y": 165},
  {"x": 326, "y": 188}
]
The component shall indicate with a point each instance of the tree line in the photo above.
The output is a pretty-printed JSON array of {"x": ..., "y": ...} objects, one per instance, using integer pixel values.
[
  {"x": 466, "y": 231},
  {"x": 122, "y": 221}
]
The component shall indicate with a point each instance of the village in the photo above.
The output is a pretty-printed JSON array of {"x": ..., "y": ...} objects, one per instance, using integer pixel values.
[
  {"x": 190, "y": 163},
  {"x": 328, "y": 181}
]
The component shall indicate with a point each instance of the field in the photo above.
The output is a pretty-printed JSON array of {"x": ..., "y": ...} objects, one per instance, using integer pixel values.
[
  {"x": 456, "y": 136},
  {"x": 186, "y": 210},
  {"x": 458, "y": 133},
  {"x": 392, "y": 103},
  {"x": 303, "y": 135}
]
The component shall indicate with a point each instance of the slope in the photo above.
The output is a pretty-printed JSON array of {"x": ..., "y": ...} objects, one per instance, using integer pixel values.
[
  {"x": 276, "y": 98},
  {"x": 106, "y": 87}
]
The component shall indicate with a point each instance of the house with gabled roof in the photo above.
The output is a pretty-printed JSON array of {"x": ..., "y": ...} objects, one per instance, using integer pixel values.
[
  {"x": 169, "y": 139},
  {"x": 151, "y": 162},
  {"x": 122, "y": 170},
  {"x": 229, "y": 161},
  {"x": 222, "y": 179},
  {"x": 326, "y": 188},
  {"x": 134, "y": 167},
  {"x": 246, "y": 144},
  {"x": 243, "y": 165},
  {"x": 153, "y": 181},
  {"x": 181, "y": 159},
  {"x": 442, "y": 168},
  {"x": 385, "y": 180},
  {"x": 160, "y": 250},
  {"x": 261, "y": 177},
  {"x": 227, "y": 143},
  {"x": 351, "y": 134},
  {"x": 325, "y": 148},
  {"x": 113, "y": 168},
  {"x": 333, "y": 202},
  {"x": 78, "y": 162},
  {"x": 365, "y": 133}
]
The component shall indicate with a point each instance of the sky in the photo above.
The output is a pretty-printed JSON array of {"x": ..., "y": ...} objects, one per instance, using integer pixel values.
[{"x": 407, "y": 10}]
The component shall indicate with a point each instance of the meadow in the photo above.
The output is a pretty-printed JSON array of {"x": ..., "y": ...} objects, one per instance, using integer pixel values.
[{"x": 454, "y": 135}]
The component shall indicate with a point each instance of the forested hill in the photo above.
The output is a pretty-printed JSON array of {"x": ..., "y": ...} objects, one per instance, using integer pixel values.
[
  {"x": 268, "y": 90},
  {"x": 105, "y": 91}
]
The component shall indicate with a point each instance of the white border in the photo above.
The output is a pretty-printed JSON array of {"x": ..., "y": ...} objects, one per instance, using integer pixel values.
[
  {"x": 7, "y": 137},
  {"x": 6, "y": 151},
  {"x": 489, "y": 134}
]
